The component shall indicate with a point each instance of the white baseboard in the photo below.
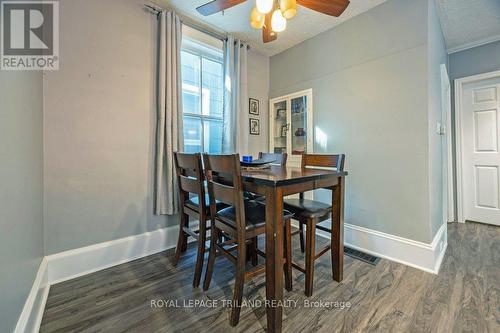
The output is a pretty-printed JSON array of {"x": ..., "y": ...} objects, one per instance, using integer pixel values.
[
  {"x": 31, "y": 316},
  {"x": 427, "y": 257},
  {"x": 71, "y": 264}
]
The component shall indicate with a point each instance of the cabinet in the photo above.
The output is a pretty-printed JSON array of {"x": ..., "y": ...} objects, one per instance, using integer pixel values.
[{"x": 291, "y": 125}]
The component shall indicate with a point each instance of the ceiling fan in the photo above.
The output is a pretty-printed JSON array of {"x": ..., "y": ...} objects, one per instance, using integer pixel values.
[{"x": 271, "y": 15}]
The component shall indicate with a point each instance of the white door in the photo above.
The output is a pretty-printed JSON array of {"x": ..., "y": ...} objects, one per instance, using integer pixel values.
[{"x": 480, "y": 115}]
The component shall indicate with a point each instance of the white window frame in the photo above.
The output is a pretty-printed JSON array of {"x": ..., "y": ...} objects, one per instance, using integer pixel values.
[{"x": 209, "y": 56}]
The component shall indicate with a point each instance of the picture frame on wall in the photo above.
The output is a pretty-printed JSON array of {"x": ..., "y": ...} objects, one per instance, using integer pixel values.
[
  {"x": 254, "y": 126},
  {"x": 284, "y": 129},
  {"x": 253, "y": 106}
]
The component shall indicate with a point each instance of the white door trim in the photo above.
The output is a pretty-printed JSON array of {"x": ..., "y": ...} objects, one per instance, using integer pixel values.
[
  {"x": 449, "y": 203},
  {"x": 459, "y": 83}
]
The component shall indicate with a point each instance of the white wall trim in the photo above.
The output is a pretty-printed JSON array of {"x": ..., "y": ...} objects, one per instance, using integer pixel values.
[
  {"x": 459, "y": 83},
  {"x": 423, "y": 256},
  {"x": 473, "y": 44},
  {"x": 71, "y": 264},
  {"x": 448, "y": 181},
  {"x": 31, "y": 316}
]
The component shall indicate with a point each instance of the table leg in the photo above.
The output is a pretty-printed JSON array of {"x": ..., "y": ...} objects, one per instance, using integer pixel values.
[
  {"x": 274, "y": 259},
  {"x": 337, "y": 239}
]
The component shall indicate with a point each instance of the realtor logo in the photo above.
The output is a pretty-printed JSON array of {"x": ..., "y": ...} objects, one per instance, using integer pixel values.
[{"x": 29, "y": 35}]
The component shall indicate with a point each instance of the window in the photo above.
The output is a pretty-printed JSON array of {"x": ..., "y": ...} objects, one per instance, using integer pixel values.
[{"x": 202, "y": 94}]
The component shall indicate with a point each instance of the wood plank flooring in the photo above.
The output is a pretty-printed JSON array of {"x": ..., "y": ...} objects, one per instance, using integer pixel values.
[{"x": 389, "y": 297}]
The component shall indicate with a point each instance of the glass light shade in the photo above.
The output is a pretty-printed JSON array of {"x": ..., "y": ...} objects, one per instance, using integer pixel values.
[
  {"x": 288, "y": 8},
  {"x": 264, "y": 6},
  {"x": 278, "y": 21},
  {"x": 257, "y": 19}
]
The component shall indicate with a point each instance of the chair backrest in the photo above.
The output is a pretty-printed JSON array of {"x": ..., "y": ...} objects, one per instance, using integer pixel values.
[
  {"x": 190, "y": 177},
  {"x": 323, "y": 161},
  {"x": 279, "y": 159},
  {"x": 223, "y": 174}
]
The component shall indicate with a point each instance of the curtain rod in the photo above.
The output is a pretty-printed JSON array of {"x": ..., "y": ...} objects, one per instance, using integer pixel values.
[{"x": 158, "y": 10}]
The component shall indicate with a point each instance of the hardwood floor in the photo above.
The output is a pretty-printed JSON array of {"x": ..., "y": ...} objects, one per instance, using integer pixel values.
[{"x": 389, "y": 297}]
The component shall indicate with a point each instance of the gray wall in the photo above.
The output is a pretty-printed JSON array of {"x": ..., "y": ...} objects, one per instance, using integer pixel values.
[
  {"x": 100, "y": 124},
  {"x": 21, "y": 240},
  {"x": 370, "y": 81},
  {"x": 258, "y": 88},
  {"x": 436, "y": 56},
  {"x": 481, "y": 59}
]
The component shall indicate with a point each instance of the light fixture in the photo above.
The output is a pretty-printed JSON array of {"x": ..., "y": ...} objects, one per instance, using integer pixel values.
[
  {"x": 288, "y": 8},
  {"x": 257, "y": 19},
  {"x": 278, "y": 22},
  {"x": 264, "y": 6}
]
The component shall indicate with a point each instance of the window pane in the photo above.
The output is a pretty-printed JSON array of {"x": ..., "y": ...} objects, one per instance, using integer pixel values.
[
  {"x": 192, "y": 135},
  {"x": 299, "y": 125},
  {"x": 190, "y": 67},
  {"x": 212, "y": 77},
  {"x": 213, "y": 136},
  {"x": 280, "y": 124}
]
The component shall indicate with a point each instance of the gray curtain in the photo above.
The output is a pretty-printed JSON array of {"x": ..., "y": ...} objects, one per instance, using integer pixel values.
[
  {"x": 169, "y": 136},
  {"x": 236, "y": 126}
]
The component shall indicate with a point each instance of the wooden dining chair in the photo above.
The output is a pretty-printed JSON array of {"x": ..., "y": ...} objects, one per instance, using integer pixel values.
[
  {"x": 190, "y": 180},
  {"x": 240, "y": 223},
  {"x": 279, "y": 159},
  {"x": 310, "y": 213}
]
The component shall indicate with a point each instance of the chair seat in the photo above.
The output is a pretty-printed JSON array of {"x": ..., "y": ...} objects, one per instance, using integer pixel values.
[
  {"x": 194, "y": 203},
  {"x": 307, "y": 208},
  {"x": 255, "y": 214}
]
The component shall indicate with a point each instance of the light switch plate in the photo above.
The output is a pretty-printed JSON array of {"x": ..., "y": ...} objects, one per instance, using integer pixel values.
[{"x": 440, "y": 129}]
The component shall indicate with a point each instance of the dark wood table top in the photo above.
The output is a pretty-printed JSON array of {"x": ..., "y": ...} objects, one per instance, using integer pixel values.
[{"x": 281, "y": 176}]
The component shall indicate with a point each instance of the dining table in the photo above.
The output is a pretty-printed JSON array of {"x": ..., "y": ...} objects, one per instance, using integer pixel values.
[{"x": 275, "y": 183}]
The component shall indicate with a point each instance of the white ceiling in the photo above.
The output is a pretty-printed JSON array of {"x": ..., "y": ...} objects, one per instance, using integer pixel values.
[
  {"x": 305, "y": 25},
  {"x": 465, "y": 23},
  {"x": 468, "y": 23}
]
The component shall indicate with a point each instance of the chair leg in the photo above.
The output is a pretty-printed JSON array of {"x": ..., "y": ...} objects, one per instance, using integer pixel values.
[
  {"x": 200, "y": 255},
  {"x": 211, "y": 257},
  {"x": 185, "y": 243},
  {"x": 254, "y": 256},
  {"x": 301, "y": 235},
  {"x": 310, "y": 254},
  {"x": 181, "y": 239},
  {"x": 238, "y": 284},
  {"x": 288, "y": 255}
]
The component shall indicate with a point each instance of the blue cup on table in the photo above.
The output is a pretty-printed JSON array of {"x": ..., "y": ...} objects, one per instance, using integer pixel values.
[{"x": 247, "y": 158}]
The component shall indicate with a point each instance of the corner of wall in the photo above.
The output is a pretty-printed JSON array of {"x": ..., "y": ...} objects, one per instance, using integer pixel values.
[
  {"x": 436, "y": 55},
  {"x": 44, "y": 248}
]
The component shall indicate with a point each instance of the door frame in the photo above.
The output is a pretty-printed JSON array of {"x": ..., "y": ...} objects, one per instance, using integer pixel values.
[
  {"x": 459, "y": 83},
  {"x": 448, "y": 186}
]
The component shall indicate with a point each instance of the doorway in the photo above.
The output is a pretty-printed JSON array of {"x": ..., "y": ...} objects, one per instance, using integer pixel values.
[{"x": 477, "y": 115}]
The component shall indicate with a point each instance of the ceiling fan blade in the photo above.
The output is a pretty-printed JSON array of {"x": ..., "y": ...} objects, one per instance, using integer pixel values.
[
  {"x": 328, "y": 7},
  {"x": 217, "y": 6},
  {"x": 268, "y": 35}
]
